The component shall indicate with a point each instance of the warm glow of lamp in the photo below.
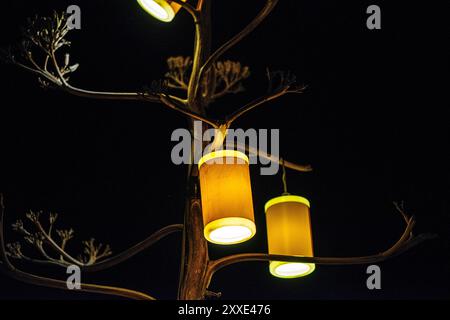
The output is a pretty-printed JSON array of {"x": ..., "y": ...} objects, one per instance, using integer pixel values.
[
  {"x": 226, "y": 193},
  {"x": 164, "y": 10},
  {"x": 289, "y": 233}
]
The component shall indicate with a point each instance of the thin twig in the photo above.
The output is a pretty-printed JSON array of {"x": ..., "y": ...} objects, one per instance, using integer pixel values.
[
  {"x": 177, "y": 82},
  {"x": 399, "y": 207},
  {"x": 283, "y": 178},
  {"x": 55, "y": 246}
]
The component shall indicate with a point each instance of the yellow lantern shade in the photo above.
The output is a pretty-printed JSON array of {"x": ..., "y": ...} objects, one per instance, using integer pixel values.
[
  {"x": 289, "y": 233},
  {"x": 164, "y": 10},
  {"x": 226, "y": 194}
]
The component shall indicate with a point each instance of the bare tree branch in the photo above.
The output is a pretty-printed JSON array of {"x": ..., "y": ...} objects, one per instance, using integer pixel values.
[
  {"x": 8, "y": 269},
  {"x": 192, "y": 114},
  {"x": 256, "y": 103},
  {"x": 403, "y": 244},
  {"x": 219, "y": 138},
  {"x": 160, "y": 234},
  {"x": 273, "y": 158},
  {"x": 270, "y": 5},
  {"x": 94, "y": 253},
  {"x": 14, "y": 250},
  {"x": 173, "y": 102},
  {"x": 47, "y": 34}
]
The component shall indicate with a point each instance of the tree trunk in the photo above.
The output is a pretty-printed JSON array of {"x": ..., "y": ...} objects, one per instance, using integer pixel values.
[
  {"x": 195, "y": 259},
  {"x": 193, "y": 286}
]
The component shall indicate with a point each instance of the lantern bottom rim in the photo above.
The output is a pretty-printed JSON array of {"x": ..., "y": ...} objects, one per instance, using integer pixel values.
[
  {"x": 229, "y": 231},
  {"x": 290, "y": 270},
  {"x": 160, "y": 9}
]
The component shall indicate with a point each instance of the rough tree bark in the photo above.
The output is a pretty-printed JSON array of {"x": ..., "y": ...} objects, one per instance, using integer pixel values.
[{"x": 195, "y": 259}]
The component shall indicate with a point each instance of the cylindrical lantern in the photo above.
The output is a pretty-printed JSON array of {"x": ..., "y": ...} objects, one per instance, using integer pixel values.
[
  {"x": 289, "y": 233},
  {"x": 164, "y": 10},
  {"x": 226, "y": 194}
]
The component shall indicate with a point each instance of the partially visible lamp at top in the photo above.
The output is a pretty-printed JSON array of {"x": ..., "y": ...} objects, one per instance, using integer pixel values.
[
  {"x": 289, "y": 233},
  {"x": 226, "y": 193},
  {"x": 164, "y": 10}
]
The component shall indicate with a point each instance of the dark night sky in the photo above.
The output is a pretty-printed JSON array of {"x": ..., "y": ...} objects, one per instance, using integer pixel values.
[{"x": 372, "y": 123}]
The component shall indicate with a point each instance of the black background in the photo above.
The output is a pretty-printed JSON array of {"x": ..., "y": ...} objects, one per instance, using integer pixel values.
[{"x": 372, "y": 123}]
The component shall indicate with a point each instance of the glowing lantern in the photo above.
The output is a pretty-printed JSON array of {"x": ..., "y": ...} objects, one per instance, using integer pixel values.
[
  {"x": 289, "y": 233},
  {"x": 164, "y": 10},
  {"x": 226, "y": 194}
]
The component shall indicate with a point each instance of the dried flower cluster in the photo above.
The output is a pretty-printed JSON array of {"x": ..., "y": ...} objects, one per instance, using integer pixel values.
[{"x": 42, "y": 240}]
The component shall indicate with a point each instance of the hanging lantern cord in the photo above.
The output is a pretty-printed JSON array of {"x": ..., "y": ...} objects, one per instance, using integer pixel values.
[{"x": 285, "y": 191}]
